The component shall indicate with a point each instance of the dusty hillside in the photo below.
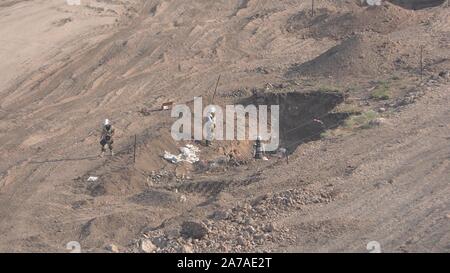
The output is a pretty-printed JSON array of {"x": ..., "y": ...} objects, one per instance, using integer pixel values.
[{"x": 375, "y": 169}]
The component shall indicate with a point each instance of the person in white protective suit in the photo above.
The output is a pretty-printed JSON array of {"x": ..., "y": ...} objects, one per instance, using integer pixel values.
[{"x": 210, "y": 125}]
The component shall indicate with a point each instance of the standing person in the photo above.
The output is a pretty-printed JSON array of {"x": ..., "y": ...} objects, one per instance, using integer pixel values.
[
  {"x": 107, "y": 137},
  {"x": 258, "y": 148},
  {"x": 210, "y": 126}
]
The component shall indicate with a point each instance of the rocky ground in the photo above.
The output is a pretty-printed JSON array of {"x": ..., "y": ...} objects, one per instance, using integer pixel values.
[{"x": 366, "y": 126}]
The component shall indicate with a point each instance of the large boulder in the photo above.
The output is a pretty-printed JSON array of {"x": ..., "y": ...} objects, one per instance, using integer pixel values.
[
  {"x": 112, "y": 248},
  {"x": 194, "y": 230},
  {"x": 147, "y": 246}
]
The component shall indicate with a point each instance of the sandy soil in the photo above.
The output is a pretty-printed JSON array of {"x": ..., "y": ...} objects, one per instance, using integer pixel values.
[{"x": 64, "y": 69}]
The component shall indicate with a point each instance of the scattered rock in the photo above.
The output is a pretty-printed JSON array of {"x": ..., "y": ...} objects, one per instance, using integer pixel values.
[
  {"x": 145, "y": 111},
  {"x": 261, "y": 70},
  {"x": 259, "y": 239},
  {"x": 112, "y": 248},
  {"x": 224, "y": 248},
  {"x": 251, "y": 229},
  {"x": 187, "y": 249},
  {"x": 244, "y": 228},
  {"x": 222, "y": 215},
  {"x": 172, "y": 234},
  {"x": 194, "y": 230},
  {"x": 444, "y": 74},
  {"x": 378, "y": 122},
  {"x": 147, "y": 246},
  {"x": 269, "y": 227},
  {"x": 249, "y": 221},
  {"x": 182, "y": 198},
  {"x": 241, "y": 241}
]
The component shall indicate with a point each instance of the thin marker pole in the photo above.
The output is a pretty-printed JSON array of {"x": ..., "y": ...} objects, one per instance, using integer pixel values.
[
  {"x": 134, "y": 151},
  {"x": 215, "y": 90},
  {"x": 421, "y": 63}
]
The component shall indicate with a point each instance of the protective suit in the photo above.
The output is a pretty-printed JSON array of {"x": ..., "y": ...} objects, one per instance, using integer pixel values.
[
  {"x": 210, "y": 126},
  {"x": 258, "y": 148},
  {"x": 107, "y": 137}
]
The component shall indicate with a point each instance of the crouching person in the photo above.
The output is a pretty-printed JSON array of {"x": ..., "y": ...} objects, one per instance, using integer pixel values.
[{"x": 258, "y": 149}]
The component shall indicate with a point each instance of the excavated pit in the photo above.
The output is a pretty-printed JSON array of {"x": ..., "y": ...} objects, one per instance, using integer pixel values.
[
  {"x": 303, "y": 116},
  {"x": 417, "y": 4}
]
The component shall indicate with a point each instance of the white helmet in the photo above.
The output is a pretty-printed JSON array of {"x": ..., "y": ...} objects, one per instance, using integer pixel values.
[
  {"x": 212, "y": 111},
  {"x": 106, "y": 122}
]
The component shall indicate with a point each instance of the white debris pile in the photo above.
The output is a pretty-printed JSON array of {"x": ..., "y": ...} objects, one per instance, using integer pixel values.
[
  {"x": 372, "y": 2},
  {"x": 188, "y": 154},
  {"x": 92, "y": 178}
]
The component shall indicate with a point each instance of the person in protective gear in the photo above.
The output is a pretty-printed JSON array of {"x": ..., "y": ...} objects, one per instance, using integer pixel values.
[
  {"x": 258, "y": 148},
  {"x": 107, "y": 137},
  {"x": 210, "y": 125}
]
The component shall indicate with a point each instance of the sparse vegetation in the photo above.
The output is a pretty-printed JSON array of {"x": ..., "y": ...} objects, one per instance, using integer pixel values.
[
  {"x": 382, "y": 91},
  {"x": 358, "y": 120},
  {"x": 327, "y": 89},
  {"x": 351, "y": 89},
  {"x": 333, "y": 133},
  {"x": 361, "y": 121},
  {"x": 349, "y": 108}
]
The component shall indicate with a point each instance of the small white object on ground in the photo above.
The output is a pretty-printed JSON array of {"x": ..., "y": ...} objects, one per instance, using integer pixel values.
[
  {"x": 188, "y": 154},
  {"x": 318, "y": 121},
  {"x": 183, "y": 198},
  {"x": 92, "y": 178},
  {"x": 373, "y": 2}
]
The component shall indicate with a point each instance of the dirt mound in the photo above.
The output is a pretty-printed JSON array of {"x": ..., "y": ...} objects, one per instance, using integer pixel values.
[
  {"x": 115, "y": 227},
  {"x": 359, "y": 55},
  {"x": 120, "y": 175},
  {"x": 154, "y": 198},
  {"x": 328, "y": 23}
]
